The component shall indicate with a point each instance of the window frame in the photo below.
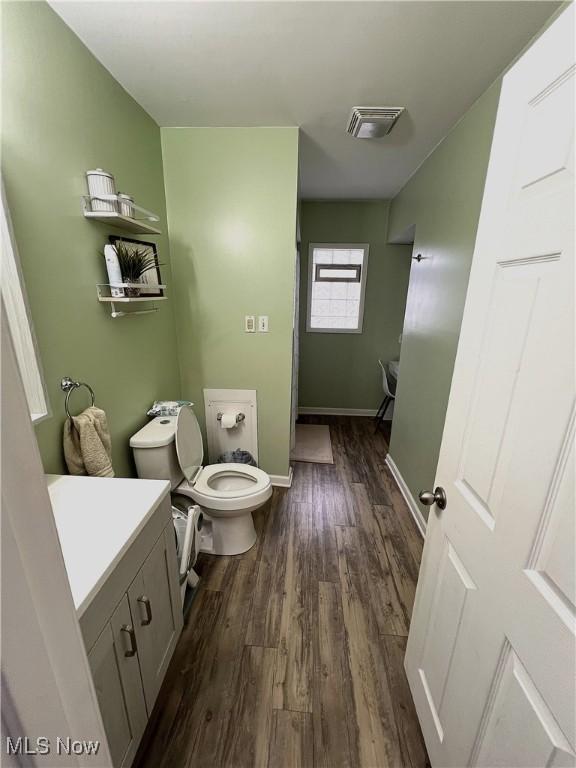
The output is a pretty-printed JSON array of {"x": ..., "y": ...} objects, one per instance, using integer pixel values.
[
  {"x": 20, "y": 320},
  {"x": 363, "y": 277}
]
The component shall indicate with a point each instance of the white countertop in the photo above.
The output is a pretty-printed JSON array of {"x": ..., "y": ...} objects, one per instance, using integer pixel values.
[{"x": 97, "y": 519}]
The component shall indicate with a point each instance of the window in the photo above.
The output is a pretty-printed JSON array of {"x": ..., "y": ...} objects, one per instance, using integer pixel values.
[
  {"x": 14, "y": 297},
  {"x": 336, "y": 285}
]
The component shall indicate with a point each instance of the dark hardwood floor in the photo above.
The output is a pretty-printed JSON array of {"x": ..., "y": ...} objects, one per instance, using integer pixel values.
[{"x": 292, "y": 654}]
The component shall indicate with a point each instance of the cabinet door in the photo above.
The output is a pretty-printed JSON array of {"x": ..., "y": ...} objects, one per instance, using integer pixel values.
[
  {"x": 114, "y": 663},
  {"x": 157, "y": 612}
]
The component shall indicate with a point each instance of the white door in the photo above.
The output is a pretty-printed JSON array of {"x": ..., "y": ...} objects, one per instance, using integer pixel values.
[{"x": 491, "y": 651}]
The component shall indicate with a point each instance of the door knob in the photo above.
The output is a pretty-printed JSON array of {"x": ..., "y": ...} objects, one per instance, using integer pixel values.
[{"x": 438, "y": 497}]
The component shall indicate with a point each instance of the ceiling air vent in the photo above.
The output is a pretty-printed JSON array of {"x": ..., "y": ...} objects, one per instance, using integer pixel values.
[{"x": 372, "y": 122}]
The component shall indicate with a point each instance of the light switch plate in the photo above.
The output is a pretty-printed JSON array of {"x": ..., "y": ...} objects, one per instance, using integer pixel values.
[
  {"x": 249, "y": 323},
  {"x": 263, "y": 323}
]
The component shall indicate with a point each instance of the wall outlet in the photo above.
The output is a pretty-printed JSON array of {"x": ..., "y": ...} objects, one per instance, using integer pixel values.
[
  {"x": 250, "y": 324},
  {"x": 263, "y": 323}
]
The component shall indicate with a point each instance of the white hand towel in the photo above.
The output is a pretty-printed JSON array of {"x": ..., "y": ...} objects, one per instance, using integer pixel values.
[{"x": 87, "y": 444}]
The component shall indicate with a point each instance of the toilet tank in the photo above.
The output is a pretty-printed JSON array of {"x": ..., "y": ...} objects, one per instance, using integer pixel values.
[{"x": 154, "y": 451}]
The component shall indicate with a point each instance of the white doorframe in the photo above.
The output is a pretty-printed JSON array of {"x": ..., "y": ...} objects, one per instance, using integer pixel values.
[
  {"x": 295, "y": 350},
  {"x": 47, "y": 688}
]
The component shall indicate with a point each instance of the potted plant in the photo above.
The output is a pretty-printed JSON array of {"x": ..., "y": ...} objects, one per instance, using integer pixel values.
[{"x": 134, "y": 261}]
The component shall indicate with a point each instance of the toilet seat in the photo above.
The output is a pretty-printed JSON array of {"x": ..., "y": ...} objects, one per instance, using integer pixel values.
[
  {"x": 246, "y": 495},
  {"x": 259, "y": 480}
]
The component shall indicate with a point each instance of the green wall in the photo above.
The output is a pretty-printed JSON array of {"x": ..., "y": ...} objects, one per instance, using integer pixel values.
[
  {"x": 443, "y": 200},
  {"x": 63, "y": 114},
  {"x": 340, "y": 370},
  {"x": 231, "y": 196}
]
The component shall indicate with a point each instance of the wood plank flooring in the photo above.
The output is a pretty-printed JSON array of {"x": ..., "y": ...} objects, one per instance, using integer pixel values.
[{"x": 292, "y": 654}]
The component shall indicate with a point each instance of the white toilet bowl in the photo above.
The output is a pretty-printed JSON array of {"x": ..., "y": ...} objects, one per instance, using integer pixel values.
[
  {"x": 228, "y": 494},
  {"x": 171, "y": 448}
]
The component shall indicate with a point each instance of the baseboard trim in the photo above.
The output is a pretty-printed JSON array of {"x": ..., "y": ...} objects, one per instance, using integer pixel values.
[
  {"x": 405, "y": 491},
  {"x": 282, "y": 481},
  {"x": 317, "y": 411}
]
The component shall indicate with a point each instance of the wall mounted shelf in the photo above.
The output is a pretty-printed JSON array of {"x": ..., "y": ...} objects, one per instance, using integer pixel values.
[
  {"x": 142, "y": 222},
  {"x": 103, "y": 291}
]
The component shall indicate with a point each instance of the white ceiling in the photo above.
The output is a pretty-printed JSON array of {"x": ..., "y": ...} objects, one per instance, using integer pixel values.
[{"x": 307, "y": 64}]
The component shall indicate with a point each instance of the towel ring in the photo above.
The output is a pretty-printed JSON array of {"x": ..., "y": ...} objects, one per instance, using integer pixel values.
[{"x": 68, "y": 385}]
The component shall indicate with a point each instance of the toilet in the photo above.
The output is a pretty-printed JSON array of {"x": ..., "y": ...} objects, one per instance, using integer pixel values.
[{"x": 171, "y": 448}]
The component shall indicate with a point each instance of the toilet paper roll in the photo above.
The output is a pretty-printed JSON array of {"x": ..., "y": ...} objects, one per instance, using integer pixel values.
[{"x": 228, "y": 420}]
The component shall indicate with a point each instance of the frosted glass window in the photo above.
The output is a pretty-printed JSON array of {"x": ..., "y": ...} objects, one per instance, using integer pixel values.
[{"x": 337, "y": 281}]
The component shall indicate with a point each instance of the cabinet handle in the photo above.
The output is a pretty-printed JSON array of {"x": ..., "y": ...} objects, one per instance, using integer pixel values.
[
  {"x": 146, "y": 603},
  {"x": 129, "y": 629}
]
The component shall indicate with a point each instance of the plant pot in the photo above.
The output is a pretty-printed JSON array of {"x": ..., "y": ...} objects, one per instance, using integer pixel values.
[{"x": 132, "y": 291}]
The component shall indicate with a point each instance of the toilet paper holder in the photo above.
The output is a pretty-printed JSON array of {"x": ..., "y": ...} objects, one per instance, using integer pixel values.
[{"x": 239, "y": 417}]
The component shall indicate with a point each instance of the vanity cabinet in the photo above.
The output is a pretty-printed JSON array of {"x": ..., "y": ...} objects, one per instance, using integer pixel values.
[
  {"x": 130, "y": 629},
  {"x": 119, "y": 549}
]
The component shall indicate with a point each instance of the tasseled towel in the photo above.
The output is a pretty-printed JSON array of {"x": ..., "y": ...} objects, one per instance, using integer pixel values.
[{"x": 87, "y": 444}]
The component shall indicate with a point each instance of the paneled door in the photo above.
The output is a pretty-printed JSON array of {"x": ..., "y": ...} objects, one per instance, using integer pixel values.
[{"x": 491, "y": 652}]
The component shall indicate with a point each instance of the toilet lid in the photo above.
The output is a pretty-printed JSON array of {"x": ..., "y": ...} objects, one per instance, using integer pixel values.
[{"x": 189, "y": 445}]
